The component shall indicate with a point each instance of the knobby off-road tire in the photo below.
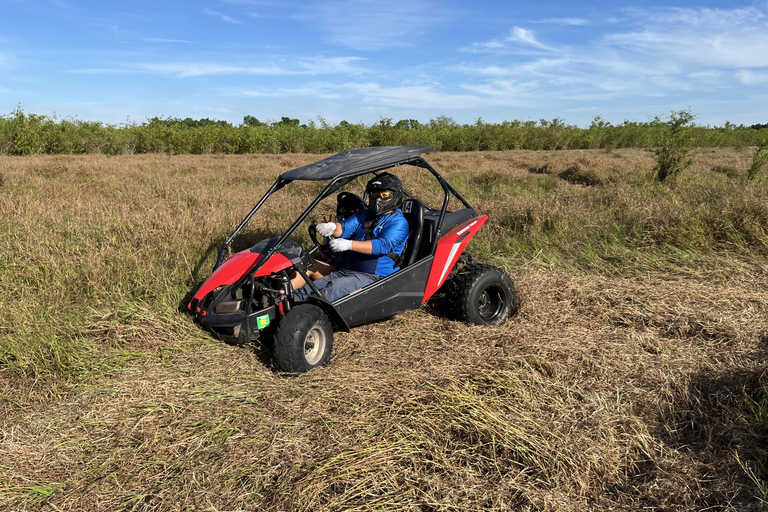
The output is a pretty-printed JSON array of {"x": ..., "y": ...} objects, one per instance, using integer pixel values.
[
  {"x": 481, "y": 295},
  {"x": 303, "y": 340}
]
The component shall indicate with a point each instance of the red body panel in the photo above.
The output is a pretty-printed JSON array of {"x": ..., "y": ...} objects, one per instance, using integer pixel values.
[
  {"x": 235, "y": 267},
  {"x": 449, "y": 248},
  {"x": 276, "y": 263}
]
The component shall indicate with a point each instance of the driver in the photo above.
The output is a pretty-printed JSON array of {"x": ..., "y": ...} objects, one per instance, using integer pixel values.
[
  {"x": 374, "y": 240},
  {"x": 347, "y": 204}
]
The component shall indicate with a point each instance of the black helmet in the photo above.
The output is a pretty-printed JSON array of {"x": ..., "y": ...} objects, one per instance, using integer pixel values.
[
  {"x": 347, "y": 204},
  {"x": 384, "y": 193}
]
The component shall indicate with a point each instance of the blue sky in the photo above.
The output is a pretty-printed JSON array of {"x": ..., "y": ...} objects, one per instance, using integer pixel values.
[{"x": 363, "y": 60}]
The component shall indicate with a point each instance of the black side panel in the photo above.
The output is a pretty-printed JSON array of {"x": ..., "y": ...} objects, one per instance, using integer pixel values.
[
  {"x": 396, "y": 293},
  {"x": 430, "y": 233},
  {"x": 453, "y": 219}
]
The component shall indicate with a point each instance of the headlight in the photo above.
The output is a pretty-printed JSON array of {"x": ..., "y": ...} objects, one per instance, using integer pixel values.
[{"x": 229, "y": 307}]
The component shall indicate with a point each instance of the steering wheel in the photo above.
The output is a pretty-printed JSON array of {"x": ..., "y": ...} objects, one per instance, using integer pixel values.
[{"x": 318, "y": 248}]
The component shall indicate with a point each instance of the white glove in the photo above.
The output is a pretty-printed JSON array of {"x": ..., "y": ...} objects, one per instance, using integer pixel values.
[
  {"x": 340, "y": 244},
  {"x": 326, "y": 228}
]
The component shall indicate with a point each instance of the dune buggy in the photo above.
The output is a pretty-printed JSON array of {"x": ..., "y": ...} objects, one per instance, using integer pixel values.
[{"x": 249, "y": 297}]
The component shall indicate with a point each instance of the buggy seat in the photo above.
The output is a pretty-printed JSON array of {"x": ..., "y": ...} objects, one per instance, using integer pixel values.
[{"x": 413, "y": 210}]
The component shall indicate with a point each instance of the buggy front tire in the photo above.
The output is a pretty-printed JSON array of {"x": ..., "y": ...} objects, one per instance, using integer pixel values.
[
  {"x": 482, "y": 295},
  {"x": 303, "y": 340}
]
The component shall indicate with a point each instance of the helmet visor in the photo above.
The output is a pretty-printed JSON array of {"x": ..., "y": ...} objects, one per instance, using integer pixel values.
[{"x": 380, "y": 194}]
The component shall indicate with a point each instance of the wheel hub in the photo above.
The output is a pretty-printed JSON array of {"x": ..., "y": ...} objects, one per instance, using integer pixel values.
[
  {"x": 490, "y": 303},
  {"x": 314, "y": 345}
]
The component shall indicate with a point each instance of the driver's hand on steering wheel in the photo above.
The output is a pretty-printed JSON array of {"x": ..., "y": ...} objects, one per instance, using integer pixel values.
[
  {"x": 325, "y": 229},
  {"x": 340, "y": 245}
]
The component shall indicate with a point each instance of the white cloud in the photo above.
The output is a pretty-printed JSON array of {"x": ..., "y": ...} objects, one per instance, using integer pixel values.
[
  {"x": 584, "y": 109},
  {"x": 309, "y": 66},
  {"x": 522, "y": 37},
  {"x": 319, "y": 90},
  {"x": 708, "y": 76},
  {"x": 102, "y": 71},
  {"x": 505, "y": 92},
  {"x": 221, "y": 16},
  {"x": 753, "y": 78},
  {"x": 370, "y": 93},
  {"x": 564, "y": 21},
  {"x": 541, "y": 65},
  {"x": 745, "y": 47},
  {"x": 701, "y": 17},
  {"x": 163, "y": 41},
  {"x": 332, "y": 65},
  {"x": 730, "y": 38},
  {"x": 425, "y": 96},
  {"x": 650, "y": 53},
  {"x": 197, "y": 69},
  {"x": 375, "y": 25}
]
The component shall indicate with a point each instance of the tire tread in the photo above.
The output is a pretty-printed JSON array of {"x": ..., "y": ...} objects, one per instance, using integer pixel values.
[
  {"x": 288, "y": 349},
  {"x": 458, "y": 306}
]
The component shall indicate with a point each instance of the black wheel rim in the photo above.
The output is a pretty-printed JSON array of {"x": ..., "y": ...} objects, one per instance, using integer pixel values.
[{"x": 490, "y": 303}]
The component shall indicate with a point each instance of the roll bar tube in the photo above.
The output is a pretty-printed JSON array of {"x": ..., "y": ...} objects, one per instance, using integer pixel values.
[{"x": 277, "y": 185}]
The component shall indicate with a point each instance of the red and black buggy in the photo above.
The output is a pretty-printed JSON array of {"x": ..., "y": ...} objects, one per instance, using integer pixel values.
[{"x": 249, "y": 297}]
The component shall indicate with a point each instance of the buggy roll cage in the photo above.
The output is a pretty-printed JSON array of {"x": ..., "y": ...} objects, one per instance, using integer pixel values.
[{"x": 341, "y": 169}]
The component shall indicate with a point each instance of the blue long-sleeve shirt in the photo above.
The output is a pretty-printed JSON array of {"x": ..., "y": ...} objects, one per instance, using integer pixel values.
[{"x": 389, "y": 235}]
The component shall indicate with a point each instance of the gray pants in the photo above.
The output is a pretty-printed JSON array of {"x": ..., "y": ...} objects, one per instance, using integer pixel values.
[{"x": 338, "y": 284}]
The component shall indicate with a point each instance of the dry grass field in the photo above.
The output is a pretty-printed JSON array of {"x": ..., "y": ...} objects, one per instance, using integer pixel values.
[{"x": 633, "y": 377}]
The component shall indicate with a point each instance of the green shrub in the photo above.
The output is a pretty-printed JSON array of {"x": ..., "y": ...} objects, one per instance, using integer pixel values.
[
  {"x": 674, "y": 154},
  {"x": 30, "y": 134}
]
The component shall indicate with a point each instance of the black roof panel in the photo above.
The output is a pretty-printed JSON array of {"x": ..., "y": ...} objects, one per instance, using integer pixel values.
[{"x": 356, "y": 161}]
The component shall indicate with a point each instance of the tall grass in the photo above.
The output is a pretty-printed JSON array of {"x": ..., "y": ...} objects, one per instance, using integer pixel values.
[
  {"x": 759, "y": 161},
  {"x": 32, "y": 134},
  {"x": 85, "y": 235},
  {"x": 632, "y": 377},
  {"x": 606, "y": 213}
]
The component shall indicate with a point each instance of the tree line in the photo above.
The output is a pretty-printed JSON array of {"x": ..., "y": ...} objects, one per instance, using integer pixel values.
[{"x": 30, "y": 134}]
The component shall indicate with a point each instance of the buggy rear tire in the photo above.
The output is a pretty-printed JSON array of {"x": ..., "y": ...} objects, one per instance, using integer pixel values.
[
  {"x": 481, "y": 295},
  {"x": 303, "y": 340}
]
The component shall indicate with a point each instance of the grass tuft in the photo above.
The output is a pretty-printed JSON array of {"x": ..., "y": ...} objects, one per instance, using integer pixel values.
[{"x": 759, "y": 161}]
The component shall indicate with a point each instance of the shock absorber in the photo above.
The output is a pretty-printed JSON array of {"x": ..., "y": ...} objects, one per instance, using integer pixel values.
[{"x": 287, "y": 293}]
